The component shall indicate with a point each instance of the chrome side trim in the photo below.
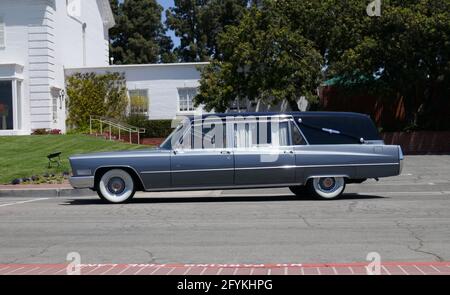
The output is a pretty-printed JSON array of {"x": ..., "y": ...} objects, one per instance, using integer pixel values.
[
  {"x": 351, "y": 165},
  {"x": 155, "y": 172},
  {"x": 272, "y": 167},
  {"x": 82, "y": 181},
  {"x": 192, "y": 170}
]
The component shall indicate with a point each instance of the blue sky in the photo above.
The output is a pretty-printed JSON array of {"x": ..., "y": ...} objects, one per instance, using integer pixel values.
[{"x": 166, "y": 4}]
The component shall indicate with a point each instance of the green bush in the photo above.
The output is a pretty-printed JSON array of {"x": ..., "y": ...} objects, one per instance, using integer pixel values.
[
  {"x": 103, "y": 95},
  {"x": 153, "y": 128}
]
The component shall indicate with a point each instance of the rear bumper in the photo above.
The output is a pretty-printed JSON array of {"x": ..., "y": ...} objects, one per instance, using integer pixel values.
[
  {"x": 401, "y": 159},
  {"x": 82, "y": 182}
]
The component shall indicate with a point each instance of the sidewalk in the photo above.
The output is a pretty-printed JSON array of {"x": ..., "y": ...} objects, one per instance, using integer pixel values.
[
  {"x": 387, "y": 268},
  {"x": 39, "y": 190}
]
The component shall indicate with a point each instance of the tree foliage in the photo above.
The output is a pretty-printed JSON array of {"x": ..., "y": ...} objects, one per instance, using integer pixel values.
[
  {"x": 282, "y": 49},
  {"x": 199, "y": 22},
  {"x": 262, "y": 58},
  {"x": 93, "y": 94},
  {"x": 139, "y": 35},
  {"x": 404, "y": 53}
]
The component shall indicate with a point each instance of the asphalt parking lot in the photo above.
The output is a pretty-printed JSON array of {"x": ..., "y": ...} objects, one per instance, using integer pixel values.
[{"x": 406, "y": 218}]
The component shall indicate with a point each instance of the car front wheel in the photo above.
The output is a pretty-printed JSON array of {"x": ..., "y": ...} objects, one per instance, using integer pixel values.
[
  {"x": 116, "y": 186},
  {"x": 326, "y": 188}
]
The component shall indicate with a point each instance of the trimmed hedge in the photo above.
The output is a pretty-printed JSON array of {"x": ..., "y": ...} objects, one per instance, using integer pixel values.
[{"x": 153, "y": 128}]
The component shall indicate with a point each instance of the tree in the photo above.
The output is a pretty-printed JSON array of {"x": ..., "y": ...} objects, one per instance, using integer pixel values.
[
  {"x": 199, "y": 22},
  {"x": 262, "y": 58},
  {"x": 93, "y": 94},
  {"x": 139, "y": 35},
  {"x": 403, "y": 53}
]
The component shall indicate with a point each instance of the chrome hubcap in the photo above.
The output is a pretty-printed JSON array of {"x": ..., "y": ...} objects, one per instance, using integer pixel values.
[
  {"x": 327, "y": 183},
  {"x": 116, "y": 185}
]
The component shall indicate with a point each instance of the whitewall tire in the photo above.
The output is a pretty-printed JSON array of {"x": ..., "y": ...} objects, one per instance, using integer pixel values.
[
  {"x": 326, "y": 188},
  {"x": 116, "y": 186}
]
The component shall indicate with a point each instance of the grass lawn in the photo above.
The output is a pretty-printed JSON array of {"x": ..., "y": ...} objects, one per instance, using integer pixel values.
[{"x": 24, "y": 156}]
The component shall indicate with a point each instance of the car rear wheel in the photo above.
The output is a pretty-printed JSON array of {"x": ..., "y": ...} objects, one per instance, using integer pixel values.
[
  {"x": 326, "y": 188},
  {"x": 299, "y": 190},
  {"x": 116, "y": 186}
]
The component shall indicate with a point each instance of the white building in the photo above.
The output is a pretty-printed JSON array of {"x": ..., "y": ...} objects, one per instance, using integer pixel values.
[
  {"x": 44, "y": 41},
  {"x": 168, "y": 89},
  {"x": 38, "y": 40}
]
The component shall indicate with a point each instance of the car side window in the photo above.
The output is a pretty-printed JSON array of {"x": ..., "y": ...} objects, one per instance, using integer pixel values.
[
  {"x": 297, "y": 137},
  {"x": 261, "y": 134},
  {"x": 283, "y": 134},
  {"x": 209, "y": 135}
]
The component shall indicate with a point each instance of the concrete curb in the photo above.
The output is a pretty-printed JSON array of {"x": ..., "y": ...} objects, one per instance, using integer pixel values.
[{"x": 45, "y": 192}]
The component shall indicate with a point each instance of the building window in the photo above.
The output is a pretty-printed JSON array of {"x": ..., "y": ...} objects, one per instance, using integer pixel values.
[
  {"x": 2, "y": 33},
  {"x": 6, "y": 106},
  {"x": 139, "y": 103},
  {"x": 186, "y": 99}
]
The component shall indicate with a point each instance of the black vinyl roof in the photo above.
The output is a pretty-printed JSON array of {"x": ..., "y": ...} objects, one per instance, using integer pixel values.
[{"x": 345, "y": 127}]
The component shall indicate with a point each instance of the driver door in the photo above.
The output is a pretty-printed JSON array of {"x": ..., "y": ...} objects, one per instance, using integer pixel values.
[{"x": 203, "y": 160}]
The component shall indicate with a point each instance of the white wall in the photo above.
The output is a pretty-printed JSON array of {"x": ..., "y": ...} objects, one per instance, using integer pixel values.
[
  {"x": 28, "y": 25},
  {"x": 74, "y": 50},
  {"x": 41, "y": 36},
  {"x": 70, "y": 36},
  {"x": 161, "y": 81}
]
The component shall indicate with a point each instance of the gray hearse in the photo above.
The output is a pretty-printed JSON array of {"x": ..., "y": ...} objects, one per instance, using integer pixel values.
[{"x": 313, "y": 153}]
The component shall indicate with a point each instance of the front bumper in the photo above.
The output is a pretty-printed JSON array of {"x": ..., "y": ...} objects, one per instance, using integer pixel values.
[{"x": 82, "y": 181}]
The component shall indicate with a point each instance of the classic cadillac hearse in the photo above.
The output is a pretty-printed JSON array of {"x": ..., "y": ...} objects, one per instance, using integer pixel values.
[{"x": 313, "y": 153}]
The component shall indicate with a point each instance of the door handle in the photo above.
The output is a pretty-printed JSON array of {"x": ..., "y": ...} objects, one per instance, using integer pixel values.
[
  {"x": 288, "y": 152},
  {"x": 225, "y": 152}
]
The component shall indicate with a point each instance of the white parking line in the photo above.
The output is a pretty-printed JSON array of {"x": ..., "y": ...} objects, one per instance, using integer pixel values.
[
  {"x": 185, "y": 273},
  {"x": 435, "y": 268},
  {"x": 173, "y": 268},
  {"x": 419, "y": 269},
  {"x": 14, "y": 270},
  {"x": 385, "y": 269},
  {"x": 406, "y": 273},
  {"x": 125, "y": 269},
  {"x": 30, "y": 270},
  {"x": 23, "y": 202},
  {"x": 156, "y": 269}
]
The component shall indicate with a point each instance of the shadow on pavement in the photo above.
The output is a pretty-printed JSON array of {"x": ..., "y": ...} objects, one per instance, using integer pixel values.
[{"x": 222, "y": 199}]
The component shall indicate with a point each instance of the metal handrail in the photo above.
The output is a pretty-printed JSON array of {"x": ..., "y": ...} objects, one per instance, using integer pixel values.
[{"x": 114, "y": 123}]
